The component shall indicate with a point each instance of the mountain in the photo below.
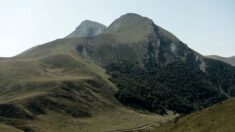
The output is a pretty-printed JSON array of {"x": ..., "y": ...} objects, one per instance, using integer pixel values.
[
  {"x": 156, "y": 61},
  {"x": 132, "y": 73},
  {"x": 87, "y": 29},
  {"x": 121, "y": 42},
  {"x": 229, "y": 60},
  {"x": 52, "y": 88}
]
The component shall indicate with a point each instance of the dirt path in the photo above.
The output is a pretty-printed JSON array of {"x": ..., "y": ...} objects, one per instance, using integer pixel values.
[
  {"x": 159, "y": 123},
  {"x": 222, "y": 91}
]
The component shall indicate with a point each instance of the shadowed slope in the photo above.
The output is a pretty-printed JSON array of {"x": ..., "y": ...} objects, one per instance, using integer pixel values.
[{"x": 229, "y": 60}]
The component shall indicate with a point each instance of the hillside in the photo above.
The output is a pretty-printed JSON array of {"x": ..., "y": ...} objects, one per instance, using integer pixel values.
[
  {"x": 218, "y": 118},
  {"x": 229, "y": 60},
  {"x": 134, "y": 73},
  {"x": 55, "y": 83},
  {"x": 36, "y": 92}
]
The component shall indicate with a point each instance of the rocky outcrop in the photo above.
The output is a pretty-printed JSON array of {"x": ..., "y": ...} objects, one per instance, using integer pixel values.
[{"x": 87, "y": 29}]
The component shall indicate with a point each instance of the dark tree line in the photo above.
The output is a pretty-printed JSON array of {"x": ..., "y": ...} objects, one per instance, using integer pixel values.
[
  {"x": 177, "y": 86},
  {"x": 222, "y": 74}
]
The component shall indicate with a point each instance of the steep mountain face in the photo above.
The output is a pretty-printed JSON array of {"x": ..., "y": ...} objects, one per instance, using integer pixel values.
[
  {"x": 146, "y": 63},
  {"x": 229, "y": 60},
  {"x": 87, "y": 29},
  {"x": 137, "y": 39},
  {"x": 133, "y": 62}
]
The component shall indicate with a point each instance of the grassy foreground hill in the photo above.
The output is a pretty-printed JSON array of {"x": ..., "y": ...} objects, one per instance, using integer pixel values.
[{"x": 218, "y": 118}]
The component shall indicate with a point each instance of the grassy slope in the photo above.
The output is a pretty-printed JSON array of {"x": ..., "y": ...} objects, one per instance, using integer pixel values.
[
  {"x": 218, "y": 118},
  {"x": 115, "y": 119},
  {"x": 52, "y": 88},
  {"x": 6, "y": 128},
  {"x": 36, "y": 80}
]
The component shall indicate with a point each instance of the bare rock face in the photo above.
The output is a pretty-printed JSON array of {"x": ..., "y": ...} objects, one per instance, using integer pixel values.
[{"x": 87, "y": 29}]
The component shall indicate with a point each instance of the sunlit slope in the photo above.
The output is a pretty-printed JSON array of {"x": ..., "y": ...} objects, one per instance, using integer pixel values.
[
  {"x": 218, "y": 118},
  {"x": 61, "y": 93},
  {"x": 53, "y": 82},
  {"x": 6, "y": 128},
  {"x": 56, "y": 80}
]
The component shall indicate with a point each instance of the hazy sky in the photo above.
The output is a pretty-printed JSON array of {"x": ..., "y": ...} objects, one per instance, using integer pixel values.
[{"x": 207, "y": 26}]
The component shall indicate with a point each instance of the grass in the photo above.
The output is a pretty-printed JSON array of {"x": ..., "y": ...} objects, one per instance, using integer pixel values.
[
  {"x": 6, "y": 128},
  {"x": 45, "y": 79},
  {"x": 117, "y": 119},
  {"x": 217, "y": 118},
  {"x": 62, "y": 92}
]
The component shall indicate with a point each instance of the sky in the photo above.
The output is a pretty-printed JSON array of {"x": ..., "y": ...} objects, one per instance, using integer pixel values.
[{"x": 207, "y": 26}]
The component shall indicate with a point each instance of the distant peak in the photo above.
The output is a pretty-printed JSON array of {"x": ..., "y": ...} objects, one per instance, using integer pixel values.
[
  {"x": 87, "y": 28},
  {"x": 134, "y": 17},
  {"x": 90, "y": 22},
  {"x": 130, "y": 20},
  {"x": 131, "y": 14},
  {"x": 87, "y": 21}
]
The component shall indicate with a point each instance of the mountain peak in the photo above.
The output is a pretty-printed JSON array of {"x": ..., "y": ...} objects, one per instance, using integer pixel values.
[
  {"x": 131, "y": 27},
  {"x": 89, "y": 22},
  {"x": 87, "y": 28},
  {"x": 133, "y": 15}
]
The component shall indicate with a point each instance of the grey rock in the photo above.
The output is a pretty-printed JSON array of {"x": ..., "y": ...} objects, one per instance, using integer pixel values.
[{"x": 87, "y": 29}]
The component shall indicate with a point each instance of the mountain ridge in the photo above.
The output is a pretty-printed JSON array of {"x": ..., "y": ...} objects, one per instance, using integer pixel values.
[{"x": 229, "y": 60}]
